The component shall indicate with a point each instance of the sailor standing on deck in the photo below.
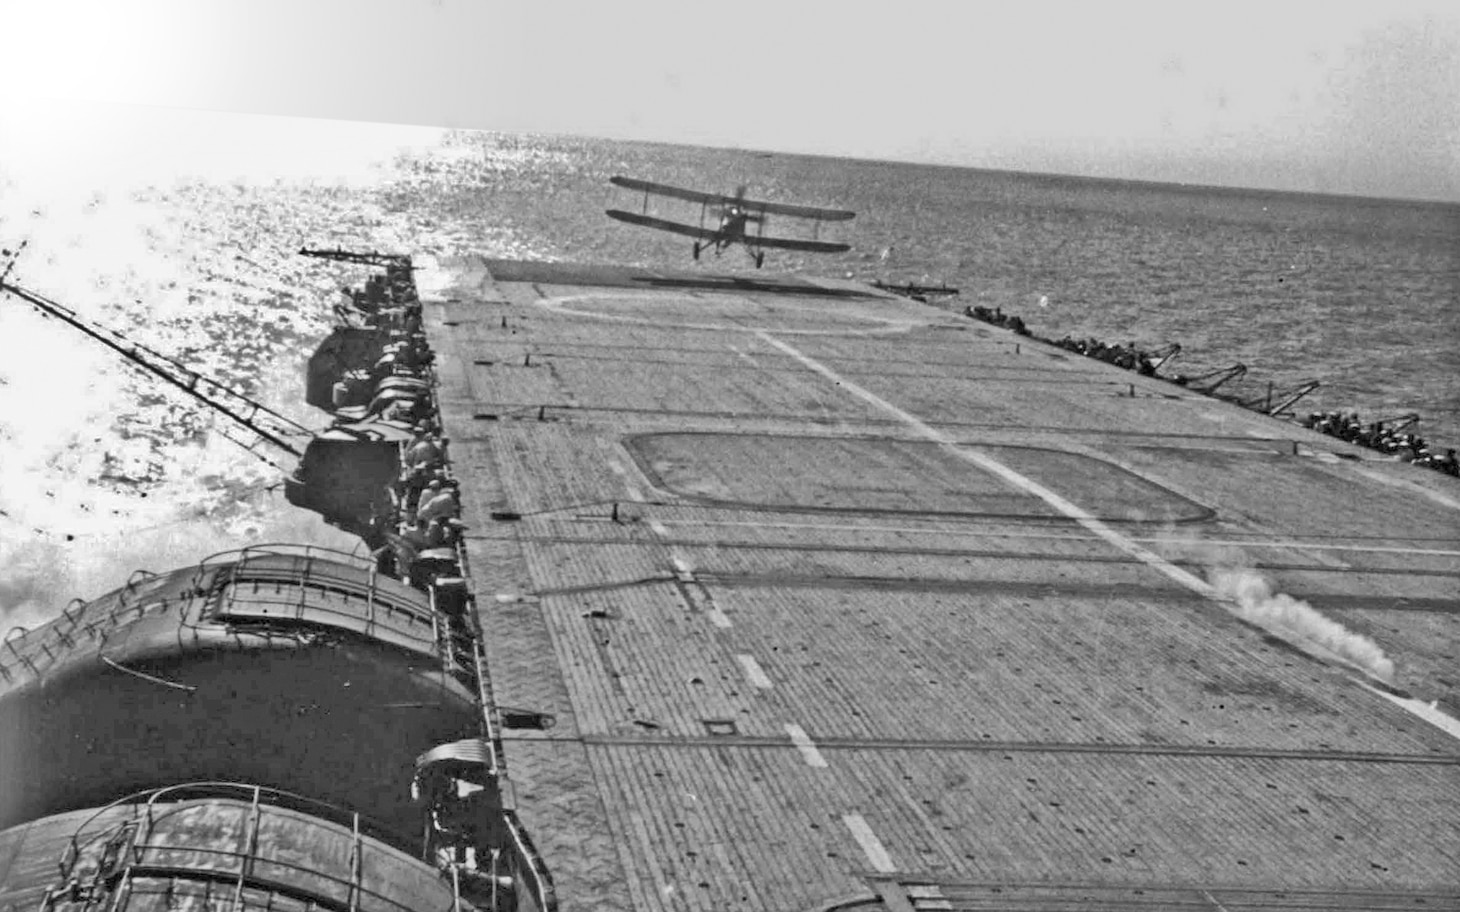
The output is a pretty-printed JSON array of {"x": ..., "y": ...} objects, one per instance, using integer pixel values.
[
  {"x": 437, "y": 503},
  {"x": 423, "y": 451}
]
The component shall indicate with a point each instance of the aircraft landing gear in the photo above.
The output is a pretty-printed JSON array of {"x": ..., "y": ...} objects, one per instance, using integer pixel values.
[
  {"x": 696, "y": 250},
  {"x": 759, "y": 258}
]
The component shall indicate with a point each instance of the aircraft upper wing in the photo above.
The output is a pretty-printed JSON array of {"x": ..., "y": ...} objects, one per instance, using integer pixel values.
[
  {"x": 693, "y": 196},
  {"x": 718, "y": 199},
  {"x": 806, "y": 212},
  {"x": 648, "y": 221}
]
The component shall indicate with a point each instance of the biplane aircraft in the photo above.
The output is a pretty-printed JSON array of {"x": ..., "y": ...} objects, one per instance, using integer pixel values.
[{"x": 734, "y": 215}]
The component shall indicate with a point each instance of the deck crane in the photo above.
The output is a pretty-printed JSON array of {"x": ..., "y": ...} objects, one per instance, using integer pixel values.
[
  {"x": 1212, "y": 380},
  {"x": 1280, "y": 402},
  {"x": 268, "y": 425},
  {"x": 366, "y": 258}
]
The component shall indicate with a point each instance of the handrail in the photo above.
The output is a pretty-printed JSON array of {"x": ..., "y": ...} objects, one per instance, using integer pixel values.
[
  {"x": 72, "y": 620},
  {"x": 546, "y": 894},
  {"x": 254, "y": 880},
  {"x": 489, "y": 727},
  {"x": 220, "y": 790},
  {"x": 10, "y": 640},
  {"x": 284, "y": 549}
]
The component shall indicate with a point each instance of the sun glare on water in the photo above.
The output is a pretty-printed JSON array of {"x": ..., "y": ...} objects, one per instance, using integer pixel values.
[{"x": 179, "y": 230}]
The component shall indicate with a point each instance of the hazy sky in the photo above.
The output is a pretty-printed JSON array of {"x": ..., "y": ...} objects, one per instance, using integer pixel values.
[{"x": 1342, "y": 96}]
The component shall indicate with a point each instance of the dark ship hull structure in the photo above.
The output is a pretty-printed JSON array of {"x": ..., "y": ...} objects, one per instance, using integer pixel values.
[
  {"x": 282, "y": 727},
  {"x": 771, "y": 594}
]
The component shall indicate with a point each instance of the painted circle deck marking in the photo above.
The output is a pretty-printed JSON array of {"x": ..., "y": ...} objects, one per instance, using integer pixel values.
[{"x": 882, "y": 325}]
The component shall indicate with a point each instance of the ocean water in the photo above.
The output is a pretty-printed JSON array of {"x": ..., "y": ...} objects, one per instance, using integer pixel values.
[
  {"x": 1362, "y": 295},
  {"x": 188, "y": 246}
]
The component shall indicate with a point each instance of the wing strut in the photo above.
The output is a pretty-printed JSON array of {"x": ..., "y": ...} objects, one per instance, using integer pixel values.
[{"x": 268, "y": 424}]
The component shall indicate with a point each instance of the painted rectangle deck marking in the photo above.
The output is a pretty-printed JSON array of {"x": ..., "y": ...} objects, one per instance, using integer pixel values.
[
  {"x": 994, "y": 467},
  {"x": 719, "y": 618},
  {"x": 753, "y": 671},
  {"x": 1028, "y": 485},
  {"x": 806, "y": 746},
  {"x": 872, "y": 847}
]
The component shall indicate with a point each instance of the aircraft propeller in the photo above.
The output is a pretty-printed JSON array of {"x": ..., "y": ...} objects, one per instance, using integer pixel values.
[{"x": 737, "y": 203}]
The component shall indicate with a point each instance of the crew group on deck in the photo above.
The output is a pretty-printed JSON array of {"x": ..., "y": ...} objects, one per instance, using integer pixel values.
[
  {"x": 1384, "y": 435},
  {"x": 385, "y": 394},
  {"x": 418, "y": 526}
]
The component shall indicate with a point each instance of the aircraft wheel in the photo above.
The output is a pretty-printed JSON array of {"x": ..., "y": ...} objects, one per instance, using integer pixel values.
[
  {"x": 759, "y": 258},
  {"x": 696, "y": 250}
]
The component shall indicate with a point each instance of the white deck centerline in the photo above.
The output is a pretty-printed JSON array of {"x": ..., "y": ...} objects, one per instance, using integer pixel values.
[
  {"x": 930, "y": 897},
  {"x": 871, "y": 846},
  {"x": 1429, "y": 712},
  {"x": 753, "y": 671},
  {"x": 805, "y": 745},
  {"x": 1030, "y": 486},
  {"x": 685, "y": 573},
  {"x": 994, "y": 467}
]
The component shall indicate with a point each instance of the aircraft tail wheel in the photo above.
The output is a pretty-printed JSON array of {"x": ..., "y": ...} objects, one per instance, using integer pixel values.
[{"x": 696, "y": 250}]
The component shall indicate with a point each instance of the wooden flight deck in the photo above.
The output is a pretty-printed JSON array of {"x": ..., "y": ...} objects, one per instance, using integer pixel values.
[{"x": 841, "y": 601}]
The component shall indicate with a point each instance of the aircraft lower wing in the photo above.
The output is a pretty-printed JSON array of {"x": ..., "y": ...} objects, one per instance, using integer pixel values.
[
  {"x": 705, "y": 234},
  {"x": 793, "y": 244},
  {"x": 648, "y": 221}
]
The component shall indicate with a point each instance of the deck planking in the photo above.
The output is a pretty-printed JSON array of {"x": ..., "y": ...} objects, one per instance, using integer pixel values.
[{"x": 831, "y": 567}]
